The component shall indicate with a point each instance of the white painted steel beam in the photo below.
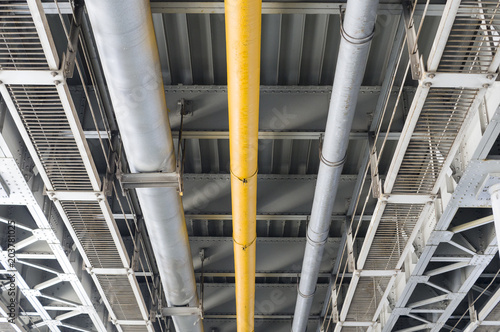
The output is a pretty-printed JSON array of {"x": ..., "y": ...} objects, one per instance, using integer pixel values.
[
  {"x": 81, "y": 196},
  {"x": 26, "y": 242},
  {"x": 42, "y": 27},
  {"x": 428, "y": 301},
  {"x": 472, "y": 224},
  {"x": 38, "y": 77},
  {"x": 407, "y": 199},
  {"x": 444, "y": 29},
  {"x": 446, "y": 268},
  {"x": 48, "y": 283},
  {"x": 452, "y": 80},
  {"x": 495, "y": 205}
]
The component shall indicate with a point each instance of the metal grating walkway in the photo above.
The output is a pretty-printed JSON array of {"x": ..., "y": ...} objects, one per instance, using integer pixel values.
[
  {"x": 20, "y": 46},
  {"x": 44, "y": 118},
  {"x": 473, "y": 42},
  {"x": 466, "y": 44},
  {"x": 396, "y": 225},
  {"x": 369, "y": 292},
  {"x": 91, "y": 228},
  {"x": 440, "y": 120},
  {"x": 120, "y": 295}
]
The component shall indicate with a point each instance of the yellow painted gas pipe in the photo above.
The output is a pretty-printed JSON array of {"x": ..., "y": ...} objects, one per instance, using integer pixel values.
[{"x": 243, "y": 27}]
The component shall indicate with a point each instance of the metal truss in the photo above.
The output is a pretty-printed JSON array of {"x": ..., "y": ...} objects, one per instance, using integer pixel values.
[
  {"x": 60, "y": 152},
  {"x": 469, "y": 259},
  {"x": 445, "y": 104},
  {"x": 21, "y": 194}
]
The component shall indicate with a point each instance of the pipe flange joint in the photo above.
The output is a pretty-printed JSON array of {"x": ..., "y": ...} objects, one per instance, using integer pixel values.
[
  {"x": 354, "y": 40},
  {"x": 333, "y": 164}
]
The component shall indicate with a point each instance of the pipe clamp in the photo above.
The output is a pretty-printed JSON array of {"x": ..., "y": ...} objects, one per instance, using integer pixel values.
[
  {"x": 244, "y": 180},
  {"x": 247, "y": 245},
  {"x": 316, "y": 243},
  {"x": 356, "y": 41},
  {"x": 333, "y": 163},
  {"x": 305, "y": 296}
]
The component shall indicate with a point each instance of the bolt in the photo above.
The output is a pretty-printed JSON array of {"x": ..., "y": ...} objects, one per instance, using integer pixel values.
[
  {"x": 54, "y": 74},
  {"x": 431, "y": 75},
  {"x": 428, "y": 84},
  {"x": 490, "y": 76},
  {"x": 486, "y": 85},
  {"x": 57, "y": 82}
]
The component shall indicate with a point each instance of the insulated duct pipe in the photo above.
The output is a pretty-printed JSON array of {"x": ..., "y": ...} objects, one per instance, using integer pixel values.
[
  {"x": 243, "y": 25},
  {"x": 126, "y": 42},
  {"x": 357, "y": 32}
]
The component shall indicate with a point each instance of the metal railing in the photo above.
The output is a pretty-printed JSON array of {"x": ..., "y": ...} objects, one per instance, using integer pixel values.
[{"x": 466, "y": 44}]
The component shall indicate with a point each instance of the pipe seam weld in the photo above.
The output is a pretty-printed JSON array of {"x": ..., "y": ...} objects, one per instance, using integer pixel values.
[
  {"x": 244, "y": 180},
  {"x": 314, "y": 242},
  {"x": 332, "y": 163},
  {"x": 354, "y": 40},
  {"x": 245, "y": 246}
]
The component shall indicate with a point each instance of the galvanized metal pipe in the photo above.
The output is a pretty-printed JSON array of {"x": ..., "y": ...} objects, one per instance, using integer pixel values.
[
  {"x": 357, "y": 32},
  {"x": 126, "y": 42},
  {"x": 243, "y": 26}
]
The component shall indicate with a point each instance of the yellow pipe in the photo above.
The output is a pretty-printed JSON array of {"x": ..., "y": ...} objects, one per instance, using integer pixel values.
[{"x": 243, "y": 26}]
